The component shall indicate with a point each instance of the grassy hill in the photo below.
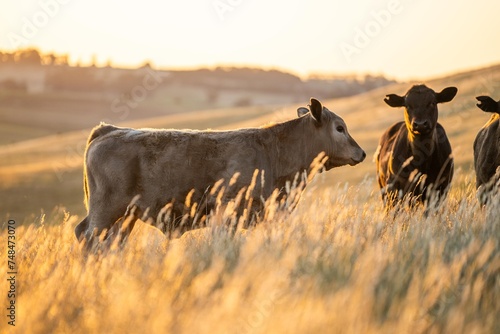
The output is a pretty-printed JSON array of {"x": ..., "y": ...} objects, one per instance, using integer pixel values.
[{"x": 43, "y": 172}]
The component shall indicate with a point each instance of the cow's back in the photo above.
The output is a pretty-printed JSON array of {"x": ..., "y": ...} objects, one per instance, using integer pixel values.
[{"x": 164, "y": 166}]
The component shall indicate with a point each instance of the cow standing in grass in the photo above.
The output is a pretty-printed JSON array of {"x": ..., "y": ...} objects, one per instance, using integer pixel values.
[
  {"x": 176, "y": 178},
  {"x": 487, "y": 151},
  {"x": 414, "y": 157}
]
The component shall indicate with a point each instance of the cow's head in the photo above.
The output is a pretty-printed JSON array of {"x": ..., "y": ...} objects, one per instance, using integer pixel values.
[
  {"x": 329, "y": 134},
  {"x": 420, "y": 102}
]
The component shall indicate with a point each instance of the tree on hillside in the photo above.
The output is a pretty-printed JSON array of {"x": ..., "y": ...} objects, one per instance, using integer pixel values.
[
  {"x": 49, "y": 59},
  {"x": 32, "y": 57},
  {"x": 28, "y": 57},
  {"x": 62, "y": 60}
]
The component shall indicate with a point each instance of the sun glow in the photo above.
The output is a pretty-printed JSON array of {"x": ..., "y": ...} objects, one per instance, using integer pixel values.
[{"x": 399, "y": 38}]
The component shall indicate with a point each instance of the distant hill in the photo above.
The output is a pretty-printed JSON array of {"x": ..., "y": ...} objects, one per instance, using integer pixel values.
[
  {"x": 43, "y": 89},
  {"x": 29, "y": 70}
]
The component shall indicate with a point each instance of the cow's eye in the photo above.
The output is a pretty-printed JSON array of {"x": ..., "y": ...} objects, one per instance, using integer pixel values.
[{"x": 340, "y": 129}]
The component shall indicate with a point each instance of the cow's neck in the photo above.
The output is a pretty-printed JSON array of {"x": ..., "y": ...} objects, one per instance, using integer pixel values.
[
  {"x": 422, "y": 146},
  {"x": 293, "y": 148}
]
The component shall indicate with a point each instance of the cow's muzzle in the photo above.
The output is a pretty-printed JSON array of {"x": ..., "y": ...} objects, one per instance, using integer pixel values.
[
  {"x": 357, "y": 160},
  {"x": 421, "y": 127}
]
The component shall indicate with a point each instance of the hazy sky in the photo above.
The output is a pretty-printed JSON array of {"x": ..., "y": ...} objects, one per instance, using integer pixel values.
[{"x": 399, "y": 38}]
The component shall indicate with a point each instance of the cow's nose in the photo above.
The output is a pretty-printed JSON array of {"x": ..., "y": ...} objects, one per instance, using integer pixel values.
[
  {"x": 363, "y": 156},
  {"x": 421, "y": 125}
]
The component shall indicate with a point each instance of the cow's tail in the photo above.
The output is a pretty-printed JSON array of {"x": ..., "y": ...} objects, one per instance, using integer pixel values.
[{"x": 100, "y": 130}]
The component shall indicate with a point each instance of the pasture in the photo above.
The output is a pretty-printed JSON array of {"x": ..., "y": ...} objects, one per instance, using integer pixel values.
[{"x": 337, "y": 264}]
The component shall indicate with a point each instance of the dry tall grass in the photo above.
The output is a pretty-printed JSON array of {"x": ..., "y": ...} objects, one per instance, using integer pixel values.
[{"x": 337, "y": 264}]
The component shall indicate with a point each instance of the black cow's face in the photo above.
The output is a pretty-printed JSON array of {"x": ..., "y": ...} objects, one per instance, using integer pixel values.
[
  {"x": 421, "y": 112},
  {"x": 420, "y": 102}
]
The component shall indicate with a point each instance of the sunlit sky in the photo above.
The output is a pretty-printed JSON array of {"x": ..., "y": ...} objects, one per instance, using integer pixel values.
[{"x": 403, "y": 39}]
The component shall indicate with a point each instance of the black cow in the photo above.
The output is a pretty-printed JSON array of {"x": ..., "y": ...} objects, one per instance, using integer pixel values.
[
  {"x": 486, "y": 150},
  {"x": 414, "y": 157}
]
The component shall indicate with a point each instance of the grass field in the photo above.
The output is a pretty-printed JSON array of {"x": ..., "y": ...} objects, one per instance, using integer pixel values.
[{"x": 337, "y": 264}]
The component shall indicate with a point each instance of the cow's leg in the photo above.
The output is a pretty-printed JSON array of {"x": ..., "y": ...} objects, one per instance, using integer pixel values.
[
  {"x": 389, "y": 198},
  {"x": 122, "y": 228},
  {"x": 99, "y": 223},
  {"x": 108, "y": 224},
  {"x": 81, "y": 228},
  {"x": 104, "y": 213}
]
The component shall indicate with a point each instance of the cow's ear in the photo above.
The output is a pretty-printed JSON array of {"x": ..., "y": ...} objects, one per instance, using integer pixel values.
[
  {"x": 301, "y": 111},
  {"x": 446, "y": 95},
  {"x": 487, "y": 104},
  {"x": 316, "y": 109},
  {"x": 394, "y": 100}
]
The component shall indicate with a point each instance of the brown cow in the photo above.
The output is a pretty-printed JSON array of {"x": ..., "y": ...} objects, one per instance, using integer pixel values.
[
  {"x": 171, "y": 174},
  {"x": 486, "y": 151},
  {"x": 414, "y": 156}
]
